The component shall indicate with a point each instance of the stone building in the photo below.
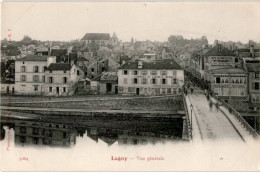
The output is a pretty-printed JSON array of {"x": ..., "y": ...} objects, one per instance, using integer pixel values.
[
  {"x": 61, "y": 79},
  {"x": 98, "y": 38},
  {"x": 252, "y": 66},
  {"x": 216, "y": 58},
  {"x": 229, "y": 83},
  {"x": 150, "y": 78},
  {"x": 108, "y": 83},
  {"x": 30, "y": 74}
]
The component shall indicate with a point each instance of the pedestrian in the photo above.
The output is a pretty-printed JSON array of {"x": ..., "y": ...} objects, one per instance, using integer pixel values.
[
  {"x": 207, "y": 95},
  {"x": 188, "y": 85},
  {"x": 217, "y": 106},
  {"x": 191, "y": 90},
  {"x": 210, "y": 105}
]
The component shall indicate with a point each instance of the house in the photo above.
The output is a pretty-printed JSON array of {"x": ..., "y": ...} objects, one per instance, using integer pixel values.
[
  {"x": 216, "y": 58},
  {"x": 30, "y": 74},
  {"x": 150, "y": 78},
  {"x": 229, "y": 83},
  {"x": 252, "y": 66},
  {"x": 108, "y": 83},
  {"x": 61, "y": 79}
]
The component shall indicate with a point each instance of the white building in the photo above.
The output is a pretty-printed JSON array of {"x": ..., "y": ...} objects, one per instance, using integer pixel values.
[
  {"x": 150, "y": 78},
  {"x": 30, "y": 75},
  {"x": 61, "y": 79}
]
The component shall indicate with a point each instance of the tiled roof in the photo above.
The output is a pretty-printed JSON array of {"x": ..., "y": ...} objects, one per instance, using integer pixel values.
[
  {"x": 247, "y": 50},
  {"x": 227, "y": 71},
  {"x": 96, "y": 36},
  {"x": 253, "y": 67},
  {"x": 162, "y": 64},
  {"x": 58, "y": 52},
  {"x": 33, "y": 58},
  {"x": 109, "y": 76},
  {"x": 59, "y": 66},
  {"x": 219, "y": 50}
]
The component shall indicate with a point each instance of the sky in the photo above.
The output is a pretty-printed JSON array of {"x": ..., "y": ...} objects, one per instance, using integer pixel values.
[{"x": 155, "y": 21}]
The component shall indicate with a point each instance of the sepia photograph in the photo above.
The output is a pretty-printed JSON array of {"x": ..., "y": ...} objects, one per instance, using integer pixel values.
[{"x": 130, "y": 86}]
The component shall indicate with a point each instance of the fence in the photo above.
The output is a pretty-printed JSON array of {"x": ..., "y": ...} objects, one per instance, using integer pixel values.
[
  {"x": 188, "y": 123},
  {"x": 239, "y": 118}
]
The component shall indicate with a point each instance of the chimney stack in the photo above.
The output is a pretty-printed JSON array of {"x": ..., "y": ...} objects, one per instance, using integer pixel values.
[
  {"x": 140, "y": 64},
  {"x": 252, "y": 51}
]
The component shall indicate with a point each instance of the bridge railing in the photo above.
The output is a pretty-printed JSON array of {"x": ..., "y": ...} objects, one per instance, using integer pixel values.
[
  {"x": 188, "y": 123},
  {"x": 238, "y": 117}
]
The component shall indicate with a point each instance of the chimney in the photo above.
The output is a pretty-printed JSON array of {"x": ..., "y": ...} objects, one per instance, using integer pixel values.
[
  {"x": 140, "y": 64},
  {"x": 252, "y": 51}
]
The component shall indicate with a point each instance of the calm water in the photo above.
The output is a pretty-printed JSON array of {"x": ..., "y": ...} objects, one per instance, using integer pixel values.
[
  {"x": 67, "y": 131},
  {"x": 97, "y": 144}
]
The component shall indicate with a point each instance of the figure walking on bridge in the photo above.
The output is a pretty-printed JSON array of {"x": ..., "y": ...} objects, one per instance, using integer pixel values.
[
  {"x": 217, "y": 106},
  {"x": 210, "y": 105}
]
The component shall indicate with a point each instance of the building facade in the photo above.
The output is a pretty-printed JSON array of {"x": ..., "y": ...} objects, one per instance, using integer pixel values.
[
  {"x": 150, "y": 78},
  {"x": 61, "y": 79},
  {"x": 228, "y": 83},
  {"x": 252, "y": 65},
  {"x": 30, "y": 74}
]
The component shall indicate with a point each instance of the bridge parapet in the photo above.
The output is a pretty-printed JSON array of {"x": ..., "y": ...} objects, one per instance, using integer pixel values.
[
  {"x": 187, "y": 119},
  {"x": 239, "y": 118}
]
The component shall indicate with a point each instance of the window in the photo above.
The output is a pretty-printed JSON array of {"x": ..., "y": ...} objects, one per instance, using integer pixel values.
[
  {"x": 50, "y": 79},
  {"x": 169, "y": 90},
  {"x": 64, "y": 89},
  {"x": 50, "y": 89},
  {"x": 164, "y": 72},
  {"x": 23, "y": 78},
  {"x": 135, "y": 72},
  {"x": 174, "y": 81},
  {"x": 236, "y": 60},
  {"x": 103, "y": 69},
  {"x": 50, "y": 71},
  {"x": 256, "y": 85},
  {"x": 125, "y": 72},
  {"x": 64, "y": 71},
  {"x": 65, "y": 80},
  {"x": 218, "y": 80},
  {"x": 163, "y": 81},
  {"x": 135, "y": 80},
  {"x": 43, "y": 68},
  {"x": 256, "y": 75},
  {"x": 36, "y": 88},
  {"x": 92, "y": 69},
  {"x": 144, "y": 80},
  {"x": 22, "y": 68},
  {"x": 43, "y": 79},
  {"x": 144, "y": 72},
  {"x": 154, "y": 72},
  {"x": 125, "y": 80},
  {"x": 35, "y": 69},
  {"x": 36, "y": 78},
  {"x": 78, "y": 72},
  {"x": 153, "y": 81},
  {"x": 174, "y": 72}
]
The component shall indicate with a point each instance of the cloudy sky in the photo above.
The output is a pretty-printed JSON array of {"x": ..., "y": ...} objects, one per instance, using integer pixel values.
[{"x": 65, "y": 21}]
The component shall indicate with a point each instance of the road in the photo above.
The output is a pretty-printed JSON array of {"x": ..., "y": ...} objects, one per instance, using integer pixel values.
[{"x": 210, "y": 124}]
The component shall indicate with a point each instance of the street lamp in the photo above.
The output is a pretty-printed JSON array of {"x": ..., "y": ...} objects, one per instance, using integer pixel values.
[{"x": 191, "y": 108}]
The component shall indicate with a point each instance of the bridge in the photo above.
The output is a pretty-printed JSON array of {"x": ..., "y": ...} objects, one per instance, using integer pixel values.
[{"x": 207, "y": 123}]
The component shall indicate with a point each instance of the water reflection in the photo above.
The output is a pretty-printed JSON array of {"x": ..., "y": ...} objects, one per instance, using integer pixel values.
[{"x": 62, "y": 133}]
